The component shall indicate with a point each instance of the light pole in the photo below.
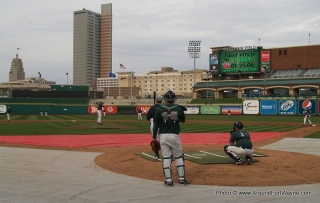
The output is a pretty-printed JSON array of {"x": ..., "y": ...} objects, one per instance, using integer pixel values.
[
  {"x": 299, "y": 67},
  {"x": 194, "y": 52},
  {"x": 264, "y": 81},
  {"x": 39, "y": 78},
  {"x": 67, "y": 78},
  {"x": 182, "y": 83},
  {"x": 208, "y": 74},
  {"x": 132, "y": 77},
  {"x": 239, "y": 83},
  {"x": 156, "y": 89}
]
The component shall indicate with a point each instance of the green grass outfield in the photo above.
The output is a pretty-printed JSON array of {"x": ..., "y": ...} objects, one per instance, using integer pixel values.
[{"x": 117, "y": 124}]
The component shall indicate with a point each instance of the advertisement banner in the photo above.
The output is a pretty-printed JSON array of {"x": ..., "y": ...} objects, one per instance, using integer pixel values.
[
  {"x": 287, "y": 107},
  {"x": 192, "y": 110},
  {"x": 143, "y": 108},
  {"x": 213, "y": 62},
  {"x": 268, "y": 107},
  {"x": 234, "y": 110},
  {"x": 108, "y": 109},
  {"x": 303, "y": 105},
  {"x": 265, "y": 61},
  {"x": 3, "y": 108},
  {"x": 250, "y": 106},
  {"x": 208, "y": 109}
]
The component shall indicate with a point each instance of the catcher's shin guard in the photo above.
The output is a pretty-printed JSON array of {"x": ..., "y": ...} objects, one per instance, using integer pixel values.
[
  {"x": 166, "y": 164},
  {"x": 180, "y": 166},
  {"x": 231, "y": 154}
]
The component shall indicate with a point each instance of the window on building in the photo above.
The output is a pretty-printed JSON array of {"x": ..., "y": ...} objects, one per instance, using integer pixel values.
[
  {"x": 285, "y": 52},
  {"x": 280, "y": 52}
]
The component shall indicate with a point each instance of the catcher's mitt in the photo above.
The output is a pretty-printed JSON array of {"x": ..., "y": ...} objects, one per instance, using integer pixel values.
[{"x": 155, "y": 146}]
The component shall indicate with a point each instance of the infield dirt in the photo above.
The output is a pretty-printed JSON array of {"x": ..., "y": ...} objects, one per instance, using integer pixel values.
[{"x": 278, "y": 169}]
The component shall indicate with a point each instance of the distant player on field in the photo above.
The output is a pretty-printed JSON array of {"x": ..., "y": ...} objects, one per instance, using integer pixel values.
[{"x": 307, "y": 117}]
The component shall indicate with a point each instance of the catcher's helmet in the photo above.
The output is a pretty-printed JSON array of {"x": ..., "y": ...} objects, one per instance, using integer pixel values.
[
  {"x": 170, "y": 96},
  {"x": 238, "y": 125}
]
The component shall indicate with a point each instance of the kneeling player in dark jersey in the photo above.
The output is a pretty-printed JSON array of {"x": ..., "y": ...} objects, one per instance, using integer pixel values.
[{"x": 239, "y": 144}]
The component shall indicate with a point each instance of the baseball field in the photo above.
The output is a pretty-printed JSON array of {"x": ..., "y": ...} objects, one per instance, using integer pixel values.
[{"x": 122, "y": 138}]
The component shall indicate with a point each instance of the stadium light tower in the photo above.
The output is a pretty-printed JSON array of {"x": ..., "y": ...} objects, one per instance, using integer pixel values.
[
  {"x": 299, "y": 68},
  {"x": 39, "y": 78},
  {"x": 194, "y": 52}
]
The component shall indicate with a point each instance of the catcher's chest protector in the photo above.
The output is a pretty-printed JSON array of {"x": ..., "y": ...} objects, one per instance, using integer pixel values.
[{"x": 170, "y": 114}]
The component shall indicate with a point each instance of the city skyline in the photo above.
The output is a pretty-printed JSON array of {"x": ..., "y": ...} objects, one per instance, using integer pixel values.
[{"x": 148, "y": 35}]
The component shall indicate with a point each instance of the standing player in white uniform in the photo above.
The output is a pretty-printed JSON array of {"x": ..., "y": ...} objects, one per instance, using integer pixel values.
[
  {"x": 99, "y": 112},
  {"x": 9, "y": 111},
  {"x": 166, "y": 120},
  {"x": 307, "y": 117}
]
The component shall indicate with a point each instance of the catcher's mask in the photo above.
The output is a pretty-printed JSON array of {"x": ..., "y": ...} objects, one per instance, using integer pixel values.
[
  {"x": 238, "y": 125},
  {"x": 170, "y": 96}
]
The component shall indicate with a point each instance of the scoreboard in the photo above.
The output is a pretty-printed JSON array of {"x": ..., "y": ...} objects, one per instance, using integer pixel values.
[
  {"x": 239, "y": 61},
  {"x": 235, "y": 61}
]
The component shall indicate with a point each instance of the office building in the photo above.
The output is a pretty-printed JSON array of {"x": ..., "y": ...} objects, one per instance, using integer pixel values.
[
  {"x": 92, "y": 45},
  {"x": 131, "y": 85},
  {"x": 16, "y": 70}
]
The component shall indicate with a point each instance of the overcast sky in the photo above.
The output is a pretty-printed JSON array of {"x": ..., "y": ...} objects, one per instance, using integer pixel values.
[{"x": 150, "y": 34}]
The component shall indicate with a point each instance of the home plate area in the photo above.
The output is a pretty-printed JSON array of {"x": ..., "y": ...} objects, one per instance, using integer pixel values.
[{"x": 201, "y": 157}]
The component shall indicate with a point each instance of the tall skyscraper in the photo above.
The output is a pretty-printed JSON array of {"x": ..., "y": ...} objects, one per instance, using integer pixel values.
[
  {"x": 92, "y": 45},
  {"x": 16, "y": 70},
  {"x": 106, "y": 40}
]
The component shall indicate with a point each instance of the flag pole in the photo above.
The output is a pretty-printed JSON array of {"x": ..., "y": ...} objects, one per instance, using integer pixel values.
[
  {"x": 309, "y": 38},
  {"x": 119, "y": 78}
]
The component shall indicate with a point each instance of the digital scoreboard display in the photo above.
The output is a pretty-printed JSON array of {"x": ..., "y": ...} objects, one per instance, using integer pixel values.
[{"x": 239, "y": 61}]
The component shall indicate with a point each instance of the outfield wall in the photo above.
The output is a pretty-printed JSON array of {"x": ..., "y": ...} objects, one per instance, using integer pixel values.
[{"x": 250, "y": 107}]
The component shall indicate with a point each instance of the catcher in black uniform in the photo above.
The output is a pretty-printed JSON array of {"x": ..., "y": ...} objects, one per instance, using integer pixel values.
[
  {"x": 167, "y": 122},
  {"x": 243, "y": 144}
]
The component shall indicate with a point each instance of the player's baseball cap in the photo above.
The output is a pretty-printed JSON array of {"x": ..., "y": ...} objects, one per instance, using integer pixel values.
[
  {"x": 159, "y": 98},
  {"x": 238, "y": 125}
]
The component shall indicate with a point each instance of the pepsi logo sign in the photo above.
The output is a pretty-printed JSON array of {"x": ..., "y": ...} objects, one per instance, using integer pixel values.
[{"x": 306, "y": 105}]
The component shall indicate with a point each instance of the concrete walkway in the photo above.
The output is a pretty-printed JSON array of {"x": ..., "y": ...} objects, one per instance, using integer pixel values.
[
  {"x": 300, "y": 145},
  {"x": 37, "y": 175}
]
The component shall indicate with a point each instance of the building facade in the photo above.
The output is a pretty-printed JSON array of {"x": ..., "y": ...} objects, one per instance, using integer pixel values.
[
  {"x": 294, "y": 72},
  {"x": 92, "y": 45},
  {"x": 131, "y": 85},
  {"x": 86, "y": 47},
  {"x": 106, "y": 40},
  {"x": 16, "y": 70}
]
